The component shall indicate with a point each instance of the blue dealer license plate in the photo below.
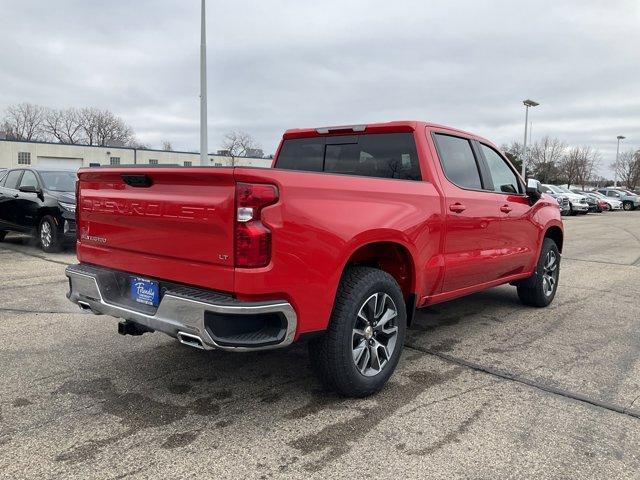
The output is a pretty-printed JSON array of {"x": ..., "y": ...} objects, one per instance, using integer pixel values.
[{"x": 144, "y": 291}]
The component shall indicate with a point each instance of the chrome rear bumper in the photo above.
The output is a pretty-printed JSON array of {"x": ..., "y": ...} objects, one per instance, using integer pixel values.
[{"x": 181, "y": 311}]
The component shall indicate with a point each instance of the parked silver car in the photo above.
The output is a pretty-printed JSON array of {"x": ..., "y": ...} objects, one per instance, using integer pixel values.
[{"x": 630, "y": 201}]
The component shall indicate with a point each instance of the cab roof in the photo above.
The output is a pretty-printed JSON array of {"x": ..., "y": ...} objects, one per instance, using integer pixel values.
[{"x": 398, "y": 126}]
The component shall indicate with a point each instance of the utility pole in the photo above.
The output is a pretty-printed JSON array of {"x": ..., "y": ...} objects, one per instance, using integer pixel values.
[{"x": 204, "y": 148}]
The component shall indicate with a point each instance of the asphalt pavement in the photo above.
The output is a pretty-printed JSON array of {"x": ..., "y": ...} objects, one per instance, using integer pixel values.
[{"x": 486, "y": 388}]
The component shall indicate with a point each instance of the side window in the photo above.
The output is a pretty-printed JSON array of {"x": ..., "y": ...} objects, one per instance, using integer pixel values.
[
  {"x": 12, "y": 179},
  {"x": 29, "y": 179},
  {"x": 458, "y": 161},
  {"x": 504, "y": 180}
]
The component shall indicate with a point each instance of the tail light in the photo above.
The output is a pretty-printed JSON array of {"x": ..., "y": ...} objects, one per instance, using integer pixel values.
[
  {"x": 253, "y": 238},
  {"x": 77, "y": 210}
]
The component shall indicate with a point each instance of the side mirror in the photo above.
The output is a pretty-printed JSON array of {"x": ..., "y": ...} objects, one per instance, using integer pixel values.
[
  {"x": 29, "y": 189},
  {"x": 533, "y": 190}
]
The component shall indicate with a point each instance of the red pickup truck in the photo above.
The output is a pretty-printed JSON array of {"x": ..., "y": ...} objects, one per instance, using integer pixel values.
[{"x": 350, "y": 231}]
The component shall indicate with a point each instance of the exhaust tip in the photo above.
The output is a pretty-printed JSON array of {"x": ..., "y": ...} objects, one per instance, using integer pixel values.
[
  {"x": 84, "y": 305},
  {"x": 191, "y": 340}
]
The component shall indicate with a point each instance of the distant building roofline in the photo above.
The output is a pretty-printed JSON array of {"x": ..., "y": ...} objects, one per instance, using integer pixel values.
[{"x": 41, "y": 142}]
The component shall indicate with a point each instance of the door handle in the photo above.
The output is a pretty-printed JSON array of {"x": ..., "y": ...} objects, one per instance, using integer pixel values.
[
  {"x": 457, "y": 207},
  {"x": 505, "y": 208},
  {"x": 15, "y": 195}
]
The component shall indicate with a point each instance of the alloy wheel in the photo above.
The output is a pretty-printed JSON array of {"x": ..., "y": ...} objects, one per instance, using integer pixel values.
[
  {"x": 375, "y": 334},
  {"x": 550, "y": 273},
  {"x": 45, "y": 234}
]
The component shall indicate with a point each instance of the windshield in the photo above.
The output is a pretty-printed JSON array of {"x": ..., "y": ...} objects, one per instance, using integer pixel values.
[
  {"x": 564, "y": 190},
  {"x": 59, "y": 181},
  {"x": 554, "y": 189}
]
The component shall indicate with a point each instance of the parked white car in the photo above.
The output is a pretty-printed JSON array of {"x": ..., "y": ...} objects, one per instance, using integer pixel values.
[{"x": 577, "y": 203}]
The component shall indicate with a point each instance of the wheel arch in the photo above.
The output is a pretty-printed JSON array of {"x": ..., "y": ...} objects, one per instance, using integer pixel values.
[
  {"x": 394, "y": 258},
  {"x": 556, "y": 234}
]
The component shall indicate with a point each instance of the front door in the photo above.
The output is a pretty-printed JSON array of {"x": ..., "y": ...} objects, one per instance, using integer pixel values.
[
  {"x": 519, "y": 233},
  {"x": 28, "y": 203}
]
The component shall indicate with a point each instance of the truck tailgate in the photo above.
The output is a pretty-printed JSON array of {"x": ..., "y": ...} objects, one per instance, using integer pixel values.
[{"x": 170, "y": 223}]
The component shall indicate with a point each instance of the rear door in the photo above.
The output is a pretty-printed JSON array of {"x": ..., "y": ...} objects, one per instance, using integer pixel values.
[
  {"x": 472, "y": 238},
  {"x": 519, "y": 235},
  {"x": 172, "y": 223},
  {"x": 9, "y": 199}
]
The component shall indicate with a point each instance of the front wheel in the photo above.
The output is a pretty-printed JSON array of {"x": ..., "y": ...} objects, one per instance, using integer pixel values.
[
  {"x": 2, "y": 235},
  {"x": 363, "y": 342},
  {"x": 48, "y": 235},
  {"x": 540, "y": 289},
  {"x": 627, "y": 206}
]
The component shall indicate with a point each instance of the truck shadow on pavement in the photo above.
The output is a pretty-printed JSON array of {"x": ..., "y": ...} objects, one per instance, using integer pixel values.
[{"x": 184, "y": 392}]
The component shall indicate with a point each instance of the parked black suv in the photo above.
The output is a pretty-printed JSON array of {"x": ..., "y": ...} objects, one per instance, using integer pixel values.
[{"x": 40, "y": 202}]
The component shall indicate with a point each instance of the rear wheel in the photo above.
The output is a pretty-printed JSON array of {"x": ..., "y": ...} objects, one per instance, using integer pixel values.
[
  {"x": 540, "y": 289},
  {"x": 363, "y": 342},
  {"x": 48, "y": 235},
  {"x": 627, "y": 206}
]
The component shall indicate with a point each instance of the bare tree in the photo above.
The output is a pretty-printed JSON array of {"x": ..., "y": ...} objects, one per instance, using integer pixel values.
[
  {"x": 166, "y": 146},
  {"x": 544, "y": 157},
  {"x": 23, "y": 121},
  {"x": 588, "y": 166},
  {"x": 102, "y": 128},
  {"x": 63, "y": 125},
  {"x": 578, "y": 165},
  {"x": 628, "y": 168},
  {"x": 238, "y": 143},
  {"x": 513, "y": 152}
]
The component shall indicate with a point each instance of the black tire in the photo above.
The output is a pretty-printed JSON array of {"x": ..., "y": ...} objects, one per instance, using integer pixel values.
[
  {"x": 2, "y": 235},
  {"x": 535, "y": 291},
  {"x": 332, "y": 355},
  {"x": 627, "y": 206},
  {"x": 48, "y": 235}
]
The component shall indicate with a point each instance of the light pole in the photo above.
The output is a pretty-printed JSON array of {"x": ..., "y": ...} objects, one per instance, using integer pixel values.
[
  {"x": 204, "y": 157},
  {"x": 527, "y": 103},
  {"x": 615, "y": 170}
]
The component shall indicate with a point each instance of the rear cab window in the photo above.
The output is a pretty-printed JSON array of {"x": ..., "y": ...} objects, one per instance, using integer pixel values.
[{"x": 381, "y": 155}]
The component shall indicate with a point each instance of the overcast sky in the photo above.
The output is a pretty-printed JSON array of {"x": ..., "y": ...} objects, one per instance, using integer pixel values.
[{"x": 274, "y": 65}]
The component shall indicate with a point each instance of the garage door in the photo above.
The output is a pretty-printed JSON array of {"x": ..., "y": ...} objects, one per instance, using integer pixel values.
[{"x": 60, "y": 162}]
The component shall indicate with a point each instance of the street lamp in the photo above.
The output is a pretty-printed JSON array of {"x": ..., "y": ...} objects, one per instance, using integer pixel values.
[
  {"x": 527, "y": 103},
  {"x": 615, "y": 181}
]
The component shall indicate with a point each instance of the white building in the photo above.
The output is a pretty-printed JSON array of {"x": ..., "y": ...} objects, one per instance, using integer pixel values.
[{"x": 14, "y": 153}]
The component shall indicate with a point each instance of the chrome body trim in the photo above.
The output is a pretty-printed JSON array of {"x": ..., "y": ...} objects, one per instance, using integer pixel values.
[{"x": 179, "y": 317}]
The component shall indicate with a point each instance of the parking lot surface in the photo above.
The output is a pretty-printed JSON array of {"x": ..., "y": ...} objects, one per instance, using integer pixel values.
[{"x": 487, "y": 388}]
